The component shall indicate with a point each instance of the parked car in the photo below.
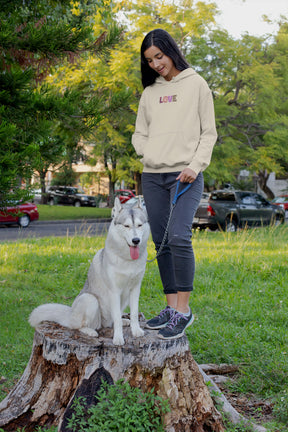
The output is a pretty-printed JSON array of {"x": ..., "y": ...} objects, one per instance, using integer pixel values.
[
  {"x": 68, "y": 195},
  {"x": 230, "y": 209},
  {"x": 124, "y": 195},
  {"x": 205, "y": 196},
  {"x": 37, "y": 195},
  {"x": 21, "y": 214},
  {"x": 282, "y": 201}
]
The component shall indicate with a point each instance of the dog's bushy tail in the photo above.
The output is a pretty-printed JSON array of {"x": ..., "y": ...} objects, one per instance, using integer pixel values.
[{"x": 51, "y": 312}]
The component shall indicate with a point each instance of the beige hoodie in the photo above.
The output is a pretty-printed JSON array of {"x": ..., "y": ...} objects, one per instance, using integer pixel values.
[{"x": 175, "y": 126}]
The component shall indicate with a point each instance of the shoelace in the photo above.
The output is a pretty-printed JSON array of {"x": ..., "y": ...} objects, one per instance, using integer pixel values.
[
  {"x": 174, "y": 320},
  {"x": 164, "y": 311}
]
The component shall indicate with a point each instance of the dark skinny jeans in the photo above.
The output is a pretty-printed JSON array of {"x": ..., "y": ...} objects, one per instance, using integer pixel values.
[{"x": 176, "y": 262}]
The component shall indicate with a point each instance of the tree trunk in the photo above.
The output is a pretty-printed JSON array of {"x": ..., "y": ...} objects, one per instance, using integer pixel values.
[
  {"x": 262, "y": 182},
  {"x": 64, "y": 362},
  {"x": 43, "y": 186},
  {"x": 138, "y": 184}
]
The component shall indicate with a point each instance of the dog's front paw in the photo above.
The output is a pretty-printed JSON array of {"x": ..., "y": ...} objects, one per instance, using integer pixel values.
[
  {"x": 138, "y": 332},
  {"x": 118, "y": 340},
  {"x": 89, "y": 331}
]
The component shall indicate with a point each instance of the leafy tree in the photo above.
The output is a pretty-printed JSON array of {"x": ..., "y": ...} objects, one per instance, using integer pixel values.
[
  {"x": 248, "y": 78},
  {"x": 120, "y": 75},
  {"x": 65, "y": 177},
  {"x": 34, "y": 37},
  {"x": 92, "y": 74},
  {"x": 250, "y": 89}
]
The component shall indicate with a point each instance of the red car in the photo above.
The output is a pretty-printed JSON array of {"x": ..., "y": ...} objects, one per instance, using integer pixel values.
[
  {"x": 124, "y": 195},
  {"x": 21, "y": 214},
  {"x": 282, "y": 201}
]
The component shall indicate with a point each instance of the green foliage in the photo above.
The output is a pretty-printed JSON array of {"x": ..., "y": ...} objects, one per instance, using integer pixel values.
[
  {"x": 94, "y": 86},
  {"x": 248, "y": 80},
  {"x": 40, "y": 125},
  {"x": 65, "y": 177},
  {"x": 119, "y": 407},
  {"x": 239, "y": 427},
  {"x": 281, "y": 406}
]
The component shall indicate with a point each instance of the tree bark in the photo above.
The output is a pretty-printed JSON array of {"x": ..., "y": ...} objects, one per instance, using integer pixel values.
[
  {"x": 43, "y": 186},
  {"x": 262, "y": 182},
  {"x": 65, "y": 362},
  {"x": 220, "y": 369},
  {"x": 138, "y": 184}
]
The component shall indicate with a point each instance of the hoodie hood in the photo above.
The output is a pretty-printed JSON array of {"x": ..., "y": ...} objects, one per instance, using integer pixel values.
[{"x": 181, "y": 76}]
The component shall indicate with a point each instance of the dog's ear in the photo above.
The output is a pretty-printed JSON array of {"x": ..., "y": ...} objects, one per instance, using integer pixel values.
[
  {"x": 140, "y": 204},
  {"x": 117, "y": 207}
]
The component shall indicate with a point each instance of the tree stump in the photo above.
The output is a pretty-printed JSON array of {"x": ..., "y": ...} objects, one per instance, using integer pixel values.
[{"x": 64, "y": 362}]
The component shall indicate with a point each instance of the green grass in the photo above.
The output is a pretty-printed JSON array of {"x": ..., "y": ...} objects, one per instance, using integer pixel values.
[
  {"x": 48, "y": 213},
  {"x": 239, "y": 300}
]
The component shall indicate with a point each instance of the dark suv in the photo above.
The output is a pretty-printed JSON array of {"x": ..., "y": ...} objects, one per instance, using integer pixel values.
[
  {"x": 230, "y": 209},
  {"x": 67, "y": 195}
]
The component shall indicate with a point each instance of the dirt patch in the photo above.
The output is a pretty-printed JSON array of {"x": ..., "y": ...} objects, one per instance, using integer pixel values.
[{"x": 250, "y": 406}]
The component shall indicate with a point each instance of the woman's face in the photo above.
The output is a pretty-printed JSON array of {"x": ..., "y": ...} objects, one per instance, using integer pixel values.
[{"x": 161, "y": 63}]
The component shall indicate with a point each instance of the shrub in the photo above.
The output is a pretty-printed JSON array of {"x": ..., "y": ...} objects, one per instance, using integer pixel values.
[{"x": 119, "y": 407}]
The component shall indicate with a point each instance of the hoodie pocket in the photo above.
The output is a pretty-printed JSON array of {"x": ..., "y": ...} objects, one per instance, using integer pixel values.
[{"x": 166, "y": 150}]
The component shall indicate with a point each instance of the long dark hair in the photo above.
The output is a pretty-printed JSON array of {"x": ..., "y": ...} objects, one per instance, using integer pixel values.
[{"x": 162, "y": 40}]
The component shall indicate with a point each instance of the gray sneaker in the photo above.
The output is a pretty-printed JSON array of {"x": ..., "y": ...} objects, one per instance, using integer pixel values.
[
  {"x": 176, "y": 326},
  {"x": 160, "y": 320}
]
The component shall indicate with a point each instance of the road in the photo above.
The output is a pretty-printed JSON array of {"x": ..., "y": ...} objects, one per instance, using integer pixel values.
[{"x": 54, "y": 228}]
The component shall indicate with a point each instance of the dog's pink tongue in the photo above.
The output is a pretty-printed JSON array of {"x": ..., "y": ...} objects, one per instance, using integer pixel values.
[{"x": 134, "y": 252}]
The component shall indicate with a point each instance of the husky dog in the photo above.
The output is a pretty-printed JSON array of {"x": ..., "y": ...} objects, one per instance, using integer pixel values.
[{"x": 113, "y": 282}]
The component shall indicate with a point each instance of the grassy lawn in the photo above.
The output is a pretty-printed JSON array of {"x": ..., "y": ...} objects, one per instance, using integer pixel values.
[
  {"x": 240, "y": 303},
  {"x": 56, "y": 212}
]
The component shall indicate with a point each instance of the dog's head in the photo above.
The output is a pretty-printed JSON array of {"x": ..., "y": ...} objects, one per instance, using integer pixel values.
[{"x": 131, "y": 221}]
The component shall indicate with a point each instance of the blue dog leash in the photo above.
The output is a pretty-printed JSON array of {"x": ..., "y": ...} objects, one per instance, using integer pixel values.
[{"x": 176, "y": 196}]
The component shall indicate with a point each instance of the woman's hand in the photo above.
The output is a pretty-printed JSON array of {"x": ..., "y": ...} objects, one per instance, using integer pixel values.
[{"x": 187, "y": 176}]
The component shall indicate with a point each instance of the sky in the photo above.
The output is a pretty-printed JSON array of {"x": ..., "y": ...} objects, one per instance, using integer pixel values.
[{"x": 239, "y": 17}]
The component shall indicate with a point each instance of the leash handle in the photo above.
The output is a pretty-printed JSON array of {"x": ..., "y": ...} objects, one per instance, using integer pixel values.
[{"x": 177, "y": 195}]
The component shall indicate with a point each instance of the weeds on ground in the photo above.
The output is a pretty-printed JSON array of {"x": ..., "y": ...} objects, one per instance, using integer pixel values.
[
  {"x": 281, "y": 407},
  {"x": 240, "y": 427}
]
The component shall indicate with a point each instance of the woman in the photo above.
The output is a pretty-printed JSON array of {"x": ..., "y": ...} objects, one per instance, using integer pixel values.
[{"x": 175, "y": 133}]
